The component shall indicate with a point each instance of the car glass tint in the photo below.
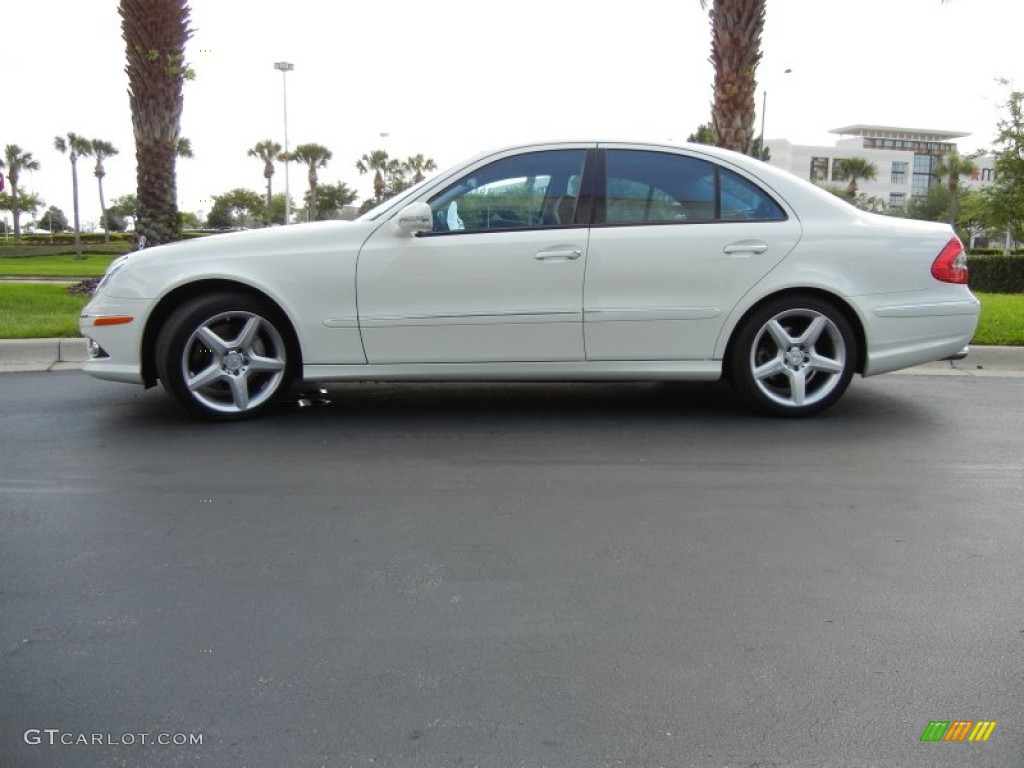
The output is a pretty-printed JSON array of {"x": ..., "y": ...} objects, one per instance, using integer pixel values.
[
  {"x": 743, "y": 201},
  {"x": 538, "y": 189},
  {"x": 647, "y": 187}
]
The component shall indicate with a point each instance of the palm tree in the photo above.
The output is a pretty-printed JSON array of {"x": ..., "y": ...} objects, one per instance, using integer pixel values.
[
  {"x": 183, "y": 149},
  {"x": 101, "y": 150},
  {"x": 952, "y": 167},
  {"x": 155, "y": 33},
  {"x": 378, "y": 162},
  {"x": 314, "y": 156},
  {"x": 855, "y": 169},
  {"x": 418, "y": 166},
  {"x": 736, "y": 28},
  {"x": 268, "y": 151},
  {"x": 75, "y": 147},
  {"x": 16, "y": 161}
]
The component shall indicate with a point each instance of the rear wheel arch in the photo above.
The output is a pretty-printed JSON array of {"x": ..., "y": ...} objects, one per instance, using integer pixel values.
[
  {"x": 184, "y": 293},
  {"x": 817, "y": 293}
]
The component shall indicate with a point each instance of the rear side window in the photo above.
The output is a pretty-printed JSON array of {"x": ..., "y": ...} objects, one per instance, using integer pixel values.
[{"x": 657, "y": 187}]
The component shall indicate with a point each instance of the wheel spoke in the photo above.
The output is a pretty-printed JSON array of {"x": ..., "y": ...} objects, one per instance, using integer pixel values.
[
  {"x": 813, "y": 332},
  {"x": 797, "y": 386},
  {"x": 260, "y": 363},
  {"x": 771, "y": 368},
  {"x": 248, "y": 335},
  {"x": 205, "y": 377},
  {"x": 239, "y": 386},
  {"x": 216, "y": 344},
  {"x": 781, "y": 336},
  {"x": 822, "y": 363}
]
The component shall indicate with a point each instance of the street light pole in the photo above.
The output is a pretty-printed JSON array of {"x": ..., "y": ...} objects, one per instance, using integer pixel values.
[{"x": 286, "y": 67}]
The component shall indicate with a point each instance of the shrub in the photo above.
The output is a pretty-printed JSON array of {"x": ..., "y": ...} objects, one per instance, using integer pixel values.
[{"x": 996, "y": 273}]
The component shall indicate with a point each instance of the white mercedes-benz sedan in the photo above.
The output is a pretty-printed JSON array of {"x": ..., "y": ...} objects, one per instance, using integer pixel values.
[{"x": 561, "y": 261}]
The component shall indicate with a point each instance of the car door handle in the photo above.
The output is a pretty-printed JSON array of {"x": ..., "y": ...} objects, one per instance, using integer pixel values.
[
  {"x": 745, "y": 247},
  {"x": 568, "y": 254}
]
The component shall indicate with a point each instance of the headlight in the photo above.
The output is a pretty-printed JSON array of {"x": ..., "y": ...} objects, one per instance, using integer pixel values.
[{"x": 115, "y": 265}]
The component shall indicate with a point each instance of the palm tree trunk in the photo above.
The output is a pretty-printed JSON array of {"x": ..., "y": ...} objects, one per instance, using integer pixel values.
[
  {"x": 269, "y": 218},
  {"x": 16, "y": 211},
  {"x": 74, "y": 195},
  {"x": 158, "y": 217},
  {"x": 103, "y": 211}
]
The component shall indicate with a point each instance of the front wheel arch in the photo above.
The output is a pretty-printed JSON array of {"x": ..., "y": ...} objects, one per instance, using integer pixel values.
[{"x": 169, "y": 303}]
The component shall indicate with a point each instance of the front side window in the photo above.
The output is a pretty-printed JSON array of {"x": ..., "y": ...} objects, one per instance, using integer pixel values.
[
  {"x": 657, "y": 187},
  {"x": 538, "y": 189}
]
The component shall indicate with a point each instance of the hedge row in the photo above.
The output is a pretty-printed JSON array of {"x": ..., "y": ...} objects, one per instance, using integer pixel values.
[
  {"x": 996, "y": 273},
  {"x": 68, "y": 238}
]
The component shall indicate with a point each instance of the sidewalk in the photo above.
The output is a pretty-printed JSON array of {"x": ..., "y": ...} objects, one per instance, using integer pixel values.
[{"x": 69, "y": 354}]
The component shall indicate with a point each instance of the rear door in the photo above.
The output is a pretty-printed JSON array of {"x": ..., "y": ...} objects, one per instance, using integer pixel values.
[{"x": 677, "y": 240}]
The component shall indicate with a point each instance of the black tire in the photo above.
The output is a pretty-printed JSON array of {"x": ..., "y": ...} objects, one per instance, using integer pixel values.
[
  {"x": 793, "y": 356},
  {"x": 225, "y": 356}
]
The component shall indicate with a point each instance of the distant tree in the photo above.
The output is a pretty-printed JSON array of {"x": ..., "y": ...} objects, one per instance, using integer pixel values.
[
  {"x": 16, "y": 160},
  {"x": 736, "y": 28},
  {"x": 331, "y": 199},
  {"x": 27, "y": 203},
  {"x": 268, "y": 151},
  {"x": 1006, "y": 194},
  {"x": 278, "y": 208},
  {"x": 705, "y": 134},
  {"x": 183, "y": 149},
  {"x": 190, "y": 220},
  {"x": 861, "y": 201},
  {"x": 237, "y": 208},
  {"x": 54, "y": 219},
  {"x": 313, "y": 156},
  {"x": 933, "y": 205},
  {"x": 856, "y": 169},
  {"x": 417, "y": 166},
  {"x": 155, "y": 33},
  {"x": 113, "y": 222},
  {"x": 951, "y": 168},
  {"x": 74, "y": 146},
  {"x": 761, "y": 153},
  {"x": 375, "y": 162},
  {"x": 101, "y": 150}
]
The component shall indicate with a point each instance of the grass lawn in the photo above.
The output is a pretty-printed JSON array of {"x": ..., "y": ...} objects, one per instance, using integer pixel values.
[
  {"x": 92, "y": 265},
  {"x": 39, "y": 311},
  {"x": 1002, "y": 319}
]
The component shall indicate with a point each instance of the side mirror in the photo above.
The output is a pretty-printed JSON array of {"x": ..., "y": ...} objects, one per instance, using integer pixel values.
[{"x": 416, "y": 217}]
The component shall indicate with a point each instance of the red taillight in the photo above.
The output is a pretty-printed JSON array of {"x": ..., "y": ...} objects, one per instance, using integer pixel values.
[{"x": 950, "y": 266}]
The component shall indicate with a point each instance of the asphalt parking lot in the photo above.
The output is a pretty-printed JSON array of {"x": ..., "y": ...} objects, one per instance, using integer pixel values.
[{"x": 529, "y": 575}]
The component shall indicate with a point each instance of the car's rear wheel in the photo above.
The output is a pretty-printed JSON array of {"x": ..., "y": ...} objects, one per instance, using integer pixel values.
[
  {"x": 794, "y": 356},
  {"x": 224, "y": 356}
]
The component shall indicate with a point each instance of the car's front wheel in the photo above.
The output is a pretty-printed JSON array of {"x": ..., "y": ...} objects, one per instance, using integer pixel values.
[
  {"x": 224, "y": 356},
  {"x": 794, "y": 356}
]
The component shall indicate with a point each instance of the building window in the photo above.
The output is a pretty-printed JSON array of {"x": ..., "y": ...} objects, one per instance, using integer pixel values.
[
  {"x": 839, "y": 170},
  {"x": 819, "y": 169},
  {"x": 923, "y": 165},
  {"x": 897, "y": 199},
  {"x": 899, "y": 173}
]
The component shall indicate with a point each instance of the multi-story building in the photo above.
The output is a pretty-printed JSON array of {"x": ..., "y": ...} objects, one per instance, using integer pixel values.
[{"x": 905, "y": 159}]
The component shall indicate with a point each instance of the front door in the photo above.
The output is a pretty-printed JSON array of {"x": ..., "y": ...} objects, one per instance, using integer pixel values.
[{"x": 499, "y": 279}]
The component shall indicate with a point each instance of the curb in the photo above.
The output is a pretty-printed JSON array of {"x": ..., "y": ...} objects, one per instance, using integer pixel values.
[{"x": 69, "y": 354}]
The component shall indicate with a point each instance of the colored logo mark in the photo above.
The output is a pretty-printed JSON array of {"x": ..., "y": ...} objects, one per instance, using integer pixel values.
[{"x": 958, "y": 730}]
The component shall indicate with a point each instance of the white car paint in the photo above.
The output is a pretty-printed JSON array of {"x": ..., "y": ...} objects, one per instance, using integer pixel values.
[{"x": 368, "y": 301}]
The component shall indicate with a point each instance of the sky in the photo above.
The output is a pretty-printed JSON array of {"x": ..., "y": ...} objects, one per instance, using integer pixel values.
[{"x": 449, "y": 79}]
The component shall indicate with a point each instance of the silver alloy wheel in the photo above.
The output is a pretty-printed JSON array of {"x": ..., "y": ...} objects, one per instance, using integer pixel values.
[
  {"x": 798, "y": 358},
  {"x": 234, "y": 362}
]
